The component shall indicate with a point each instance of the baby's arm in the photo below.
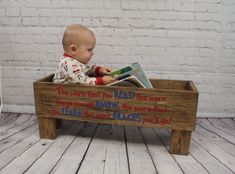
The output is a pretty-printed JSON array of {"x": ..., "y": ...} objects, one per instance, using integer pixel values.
[
  {"x": 81, "y": 77},
  {"x": 102, "y": 71},
  {"x": 108, "y": 79},
  {"x": 97, "y": 71}
]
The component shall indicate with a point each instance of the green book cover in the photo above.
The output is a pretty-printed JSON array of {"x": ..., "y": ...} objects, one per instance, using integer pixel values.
[
  {"x": 132, "y": 70},
  {"x": 120, "y": 71}
]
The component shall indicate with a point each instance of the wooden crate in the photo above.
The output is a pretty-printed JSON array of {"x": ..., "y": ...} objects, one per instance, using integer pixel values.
[{"x": 171, "y": 104}]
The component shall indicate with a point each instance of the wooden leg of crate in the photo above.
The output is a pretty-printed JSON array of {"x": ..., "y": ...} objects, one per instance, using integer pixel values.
[
  {"x": 47, "y": 128},
  {"x": 58, "y": 123},
  {"x": 180, "y": 141}
]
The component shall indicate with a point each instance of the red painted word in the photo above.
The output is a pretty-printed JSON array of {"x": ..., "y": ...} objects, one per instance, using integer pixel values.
[
  {"x": 151, "y": 109},
  {"x": 61, "y": 91},
  {"x": 156, "y": 120}
]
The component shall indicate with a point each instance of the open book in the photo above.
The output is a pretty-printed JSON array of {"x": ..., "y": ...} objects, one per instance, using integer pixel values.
[{"x": 132, "y": 75}]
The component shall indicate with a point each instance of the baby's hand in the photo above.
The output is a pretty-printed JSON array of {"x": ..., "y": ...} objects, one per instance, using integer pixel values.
[
  {"x": 105, "y": 71},
  {"x": 108, "y": 79}
]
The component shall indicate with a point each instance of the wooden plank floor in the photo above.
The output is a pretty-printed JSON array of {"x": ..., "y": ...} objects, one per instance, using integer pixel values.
[{"x": 86, "y": 148}]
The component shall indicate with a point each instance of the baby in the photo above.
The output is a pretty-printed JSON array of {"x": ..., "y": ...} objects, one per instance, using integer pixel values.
[{"x": 78, "y": 43}]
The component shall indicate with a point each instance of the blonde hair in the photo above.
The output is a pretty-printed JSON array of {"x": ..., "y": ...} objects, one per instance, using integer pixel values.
[{"x": 74, "y": 34}]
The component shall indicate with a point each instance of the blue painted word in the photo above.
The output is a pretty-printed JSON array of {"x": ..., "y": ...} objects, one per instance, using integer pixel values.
[
  {"x": 120, "y": 94},
  {"x": 106, "y": 104},
  {"x": 117, "y": 115},
  {"x": 71, "y": 111}
]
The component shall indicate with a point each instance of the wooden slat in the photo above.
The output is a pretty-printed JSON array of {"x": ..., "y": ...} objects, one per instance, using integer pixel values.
[
  {"x": 8, "y": 118},
  {"x": 20, "y": 120},
  {"x": 216, "y": 139},
  {"x": 139, "y": 159},
  {"x": 145, "y": 150},
  {"x": 175, "y": 108},
  {"x": 23, "y": 161},
  {"x": 11, "y": 153},
  {"x": 180, "y": 141},
  {"x": 14, "y": 130},
  {"x": 212, "y": 147},
  {"x": 219, "y": 124},
  {"x": 17, "y": 137},
  {"x": 72, "y": 158},
  {"x": 164, "y": 162},
  {"x": 229, "y": 122},
  {"x": 50, "y": 158},
  {"x": 210, "y": 163},
  {"x": 104, "y": 154},
  {"x": 207, "y": 125},
  {"x": 187, "y": 163},
  {"x": 3, "y": 117},
  {"x": 116, "y": 158},
  {"x": 26, "y": 159}
]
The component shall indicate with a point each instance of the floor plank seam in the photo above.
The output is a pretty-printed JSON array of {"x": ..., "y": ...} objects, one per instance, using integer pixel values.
[
  {"x": 20, "y": 154},
  {"x": 79, "y": 131},
  {"x": 216, "y": 134},
  {"x": 127, "y": 156},
  {"x": 165, "y": 145},
  {"x": 212, "y": 155},
  {"x": 80, "y": 164},
  {"x": 219, "y": 144},
  {"x": 204, "y": 167},
  {"x": 40, "y": 155},
  {"x": 16, "y": 142},
  {"x": 231, "y": 127},
  {"x": 22, "y": 150},
  {"x": 18, "y": 131},
  {"x": 16, "y": 125},
  {"x": 216, "y": 127},
  {"x": 8, "y": 121},
  {"x": 148, "y": 150}
]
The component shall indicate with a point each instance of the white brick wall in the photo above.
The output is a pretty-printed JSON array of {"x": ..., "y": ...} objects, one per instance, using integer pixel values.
[{"x": 181, "y": 39}]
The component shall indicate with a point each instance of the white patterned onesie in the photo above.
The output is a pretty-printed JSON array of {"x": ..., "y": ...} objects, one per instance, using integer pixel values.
[{"x": 69, "y": 70}]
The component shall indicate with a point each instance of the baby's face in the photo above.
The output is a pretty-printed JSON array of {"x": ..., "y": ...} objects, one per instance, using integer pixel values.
[{"x": 84, "y": 51}]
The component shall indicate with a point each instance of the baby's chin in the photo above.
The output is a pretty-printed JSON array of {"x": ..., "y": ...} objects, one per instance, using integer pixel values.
[
  {"x": 84, "y": 62},
  {"x": 87, "y": 61}
]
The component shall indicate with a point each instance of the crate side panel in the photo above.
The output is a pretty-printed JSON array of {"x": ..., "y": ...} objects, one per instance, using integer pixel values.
[{"x": 131, "y": 106}]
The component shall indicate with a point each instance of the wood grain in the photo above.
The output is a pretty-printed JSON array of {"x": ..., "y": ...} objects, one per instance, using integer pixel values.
[{"x": 170, "y": 104}]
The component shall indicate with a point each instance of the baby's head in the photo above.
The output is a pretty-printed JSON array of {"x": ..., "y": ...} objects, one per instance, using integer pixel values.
[{"x": 79, "y": 42}]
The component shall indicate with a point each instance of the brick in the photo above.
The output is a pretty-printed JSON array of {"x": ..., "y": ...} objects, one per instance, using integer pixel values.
[
  {"x": 109, "y": 22},
  {"x": 185, "y": 16},
  {"x": 106, "y": 13},
  {"x": 46, "y": 12},
  {"x": 184, "y": 6},
  {"x": 29, "y": 12},
  {"x": 133, "y": 14},
  {"x": 112, "y": 4},
  {"x": 2, "y": 12},
  {"x": 12, "y": 12},
  {"x": 134, "y": 5},
  {"x": 80, "y": 12},
  {"x": 62, "y": 12}
]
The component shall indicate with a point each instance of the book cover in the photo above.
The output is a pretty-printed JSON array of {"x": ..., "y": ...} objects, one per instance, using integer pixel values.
[
  {"x": 133, "y": 70},
  {"x": 128, "y": 81}
]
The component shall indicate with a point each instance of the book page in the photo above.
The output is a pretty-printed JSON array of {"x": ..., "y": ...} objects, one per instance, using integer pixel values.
[
  {"x": 133, "y": 70},
  {"x": 130, "y": 81}
]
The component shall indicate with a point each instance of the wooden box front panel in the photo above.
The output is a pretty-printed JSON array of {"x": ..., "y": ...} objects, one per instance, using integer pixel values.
[{"x": 175, "y": 109}]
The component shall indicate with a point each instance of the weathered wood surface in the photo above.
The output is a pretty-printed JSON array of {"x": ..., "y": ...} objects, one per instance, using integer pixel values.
[
  {"x": 172, "y": 104},
  {"x": 96, "y": 148}
]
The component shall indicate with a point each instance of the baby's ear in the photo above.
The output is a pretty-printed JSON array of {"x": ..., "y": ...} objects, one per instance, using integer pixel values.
[{"x": 72, "y": 47}]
